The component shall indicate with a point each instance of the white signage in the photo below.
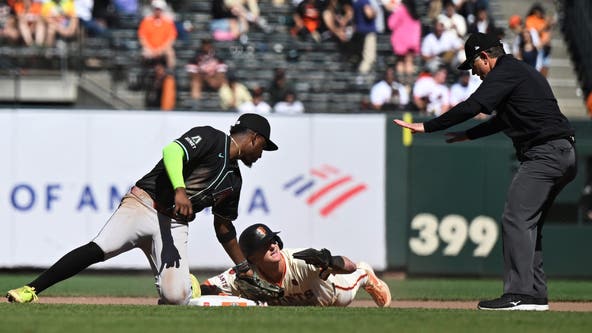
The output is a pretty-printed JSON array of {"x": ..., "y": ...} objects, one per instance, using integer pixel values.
[{"x": 64, "y": 172}]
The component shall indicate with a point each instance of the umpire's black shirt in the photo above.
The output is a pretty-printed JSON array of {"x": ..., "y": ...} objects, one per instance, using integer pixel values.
[{"x": 526, "y": 109}]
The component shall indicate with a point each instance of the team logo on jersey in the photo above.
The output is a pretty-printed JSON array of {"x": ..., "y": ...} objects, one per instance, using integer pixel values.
[{"x": 326, "y": 187}]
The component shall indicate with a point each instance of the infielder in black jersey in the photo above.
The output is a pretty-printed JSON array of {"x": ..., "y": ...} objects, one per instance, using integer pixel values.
[
  {"x": 198, "y": 170},
  {"x": 525, "y": 110}
]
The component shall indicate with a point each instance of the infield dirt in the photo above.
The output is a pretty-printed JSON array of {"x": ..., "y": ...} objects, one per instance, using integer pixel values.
[{"x": 555, "y": 306}]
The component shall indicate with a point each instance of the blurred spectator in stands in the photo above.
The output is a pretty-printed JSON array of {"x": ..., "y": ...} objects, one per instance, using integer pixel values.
[
  {"x": 467, "y": 8},
  {"x": 61, "y": 19},
  {"x": 104, "y": 13},
  {"x": 430, "y": 94},
  {"x": 257, "y": 105},
  {"x": 224, "y": 24},
  {"x": 434, "y": 9},
  {"x": 405, "y": 37},
  {"x": 337, "y": 18},
  {"x": 526, "y": 44},
  {"x": 127, "y": 9},
  {"x": 363, "y": 40},
  {"x": 233, "y": 93},
  {"x": 161, "y": 90},
  {"x": 8, "y": 25},
  {"x": 527, "y": 50},
  {"x": 462, "y": 89},
  {"x": 289, "y": 104},
  {"x": 30, "y": 22},
  {"x": 307, "y": 20},
  {"x": 247, "y": 11},
  {"x": 380, "y": 20},
  {"x": 500, "y": 33},
  {"x": 206, "y": 68},
  {"x": 279, "y": 86},
  {"x": 536, "y": 20},
  {"x": 452, "y": 20},
  {"x": 91, "y": 26},
  {"x": 440, "y": 47},
  {"x": 388, "y": 94},
  {"x": 157, "y": 34},
  {"x": 483, "y": 21}
]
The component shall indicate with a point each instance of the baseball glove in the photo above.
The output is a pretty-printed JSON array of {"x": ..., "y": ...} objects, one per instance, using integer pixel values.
[
  {"x": 257, "y": 289},
  {"x": 321, "y": 259}
]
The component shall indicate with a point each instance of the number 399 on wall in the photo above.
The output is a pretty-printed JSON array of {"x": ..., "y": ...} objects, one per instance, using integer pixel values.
[{"x": 454, "y": 231}]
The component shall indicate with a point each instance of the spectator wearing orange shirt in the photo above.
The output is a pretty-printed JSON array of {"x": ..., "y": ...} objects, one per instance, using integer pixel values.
[
  {"x": 30, "y": 23},
  {"x": 536, "y": 20},
  {"x": 157, "y": 33}
]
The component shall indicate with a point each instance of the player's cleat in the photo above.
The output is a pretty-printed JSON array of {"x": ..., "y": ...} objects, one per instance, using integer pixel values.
[
  {"x": 377, "y": 288},
  {"x": 195, "y": 288},
  {"x": 23, "y": 294},
  {"x": 512, "y": 302}
]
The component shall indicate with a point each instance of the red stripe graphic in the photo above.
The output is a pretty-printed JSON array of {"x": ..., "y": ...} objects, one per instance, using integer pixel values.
[
  {"x": 325, "y": 189},
  {"x": 353, "y": 286},
  {"x": 318, "y": 173},
  {"x": 330, "y": 168},
  {"x": 341, "y": 199}
]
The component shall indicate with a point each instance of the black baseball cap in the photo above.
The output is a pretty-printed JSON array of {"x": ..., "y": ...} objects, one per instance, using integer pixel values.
[
  {"x": 258, "y": 124},
  {"x": 476, "y": 43}
]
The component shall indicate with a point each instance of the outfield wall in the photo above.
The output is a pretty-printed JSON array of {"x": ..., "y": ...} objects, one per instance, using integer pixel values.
[
  {"x": 444, "y": 205},
  {"x": 63, "y": 174}
]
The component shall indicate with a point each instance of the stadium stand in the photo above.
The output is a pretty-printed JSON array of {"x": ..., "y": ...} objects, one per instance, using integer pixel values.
[{"x": 110, "y": 69}]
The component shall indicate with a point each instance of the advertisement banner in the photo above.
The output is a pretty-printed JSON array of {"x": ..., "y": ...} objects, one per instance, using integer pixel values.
[{"x": 64, "y": 172}]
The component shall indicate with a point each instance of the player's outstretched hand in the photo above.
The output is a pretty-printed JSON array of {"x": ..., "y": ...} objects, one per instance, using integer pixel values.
[
  {"x": 414, "y": 127},
  {"x": 452, "y": 137}
]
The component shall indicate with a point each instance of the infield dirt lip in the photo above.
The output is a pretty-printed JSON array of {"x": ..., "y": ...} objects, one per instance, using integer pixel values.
[{"x": 405, "y": 304}]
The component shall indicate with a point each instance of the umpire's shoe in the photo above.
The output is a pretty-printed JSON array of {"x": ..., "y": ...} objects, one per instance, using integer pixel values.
[
  {"x": 24, "y": 294},
  {"x": 377, "y": 288},
  {"x": 515, "y": 302}
]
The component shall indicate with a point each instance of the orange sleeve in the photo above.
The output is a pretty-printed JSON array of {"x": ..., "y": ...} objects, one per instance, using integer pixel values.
[
  {"x": 169, "y": 94},
  {"x": 142, "y": 29}
]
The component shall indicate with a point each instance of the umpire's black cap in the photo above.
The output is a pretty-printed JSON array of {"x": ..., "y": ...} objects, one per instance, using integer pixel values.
[
  {"x": 258, "y": 124},
  {"x": 476, "y": 43}
]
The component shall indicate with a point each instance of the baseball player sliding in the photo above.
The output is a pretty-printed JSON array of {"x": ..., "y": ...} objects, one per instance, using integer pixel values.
[
  {"x": 303, "y": 276},
  {"x": 199, "y": 169}
]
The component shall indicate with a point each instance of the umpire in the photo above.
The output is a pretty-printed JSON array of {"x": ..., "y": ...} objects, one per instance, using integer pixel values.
[{"x": 524, "y": 107}]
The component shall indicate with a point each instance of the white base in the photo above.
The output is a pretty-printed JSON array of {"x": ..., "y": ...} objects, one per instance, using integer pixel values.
[{"x": 215, "y": 300}]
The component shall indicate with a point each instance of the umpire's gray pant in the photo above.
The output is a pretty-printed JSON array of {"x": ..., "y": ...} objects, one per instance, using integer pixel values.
[{"x": 544, "y": 171}]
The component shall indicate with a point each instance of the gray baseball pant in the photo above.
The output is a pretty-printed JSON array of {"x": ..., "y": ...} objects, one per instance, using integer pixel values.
[
  {"x": 543, "y": 173},
  {"x": 136, "y": 224}
]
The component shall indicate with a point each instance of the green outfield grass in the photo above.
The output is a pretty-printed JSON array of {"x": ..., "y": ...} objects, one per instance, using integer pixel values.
[
  {"x": 137, "y": 318},
  {"x": 410, "y": 289}
]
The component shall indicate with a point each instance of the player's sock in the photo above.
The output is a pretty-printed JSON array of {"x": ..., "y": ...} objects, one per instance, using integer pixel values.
[{"x": 68, "y": 266}]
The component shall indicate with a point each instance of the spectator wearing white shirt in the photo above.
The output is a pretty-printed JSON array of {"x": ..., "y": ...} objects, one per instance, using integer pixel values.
[
  {"x": 388, "y": 94},
  {"x": 440, "y": 47},
  {"x": 463, "y": 88},
  {"x": 430, "y": 94},
  {"x": 256, "y": 105},
  {"x": 289, "y": 105},
  {"x": 452, "y": 20}
]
